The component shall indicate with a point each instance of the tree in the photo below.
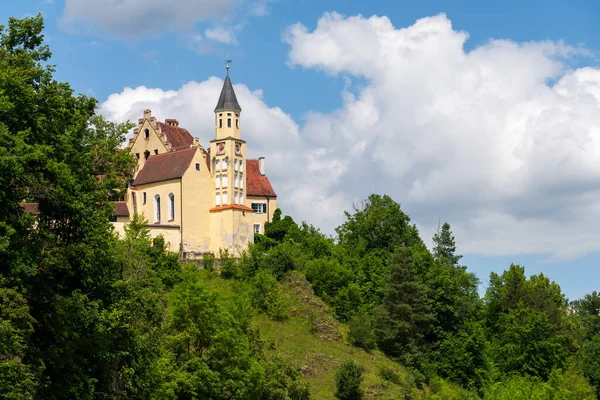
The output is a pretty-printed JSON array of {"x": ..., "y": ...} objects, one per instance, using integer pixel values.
[
  {"x": 588, "y": 313},
  {"x": 444, "y": 247},
  {"x": 403, "y": 316},
  {"x": 378, "y": 223},
  {"x": 527, "y": 322},
  {"x": 348, "y": 378}
]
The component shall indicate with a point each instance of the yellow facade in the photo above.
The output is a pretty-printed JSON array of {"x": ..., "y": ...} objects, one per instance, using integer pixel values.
[{"x": 195, "y": 199}]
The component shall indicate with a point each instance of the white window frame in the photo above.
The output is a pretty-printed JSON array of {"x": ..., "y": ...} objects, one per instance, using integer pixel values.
[
  {"x": 217, "y": 181},
  {"x": 235, "y": 180},
  {"x": 261, "y": 210},
  {"x": 157, "y": 208},
  {"x": 224, "y": 198},
  {"x": 223, "y": 165},
  {"x": 235, "y": 197},
  {"x": 257, "y": 225},
  {"x": 218, "y": 199},
  {"x": 241, "y": 166},
  {"x": 171, "y": 207},
  {"x": 224, "y": 181},
  {"x": 241, "y": 181}
]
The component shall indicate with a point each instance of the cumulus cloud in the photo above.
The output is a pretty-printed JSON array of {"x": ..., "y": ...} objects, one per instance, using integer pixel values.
[
  {"x": 142, "y": 17},
  {"x": 223, "y": 34},
  {"x": 502, "y": 141},
  {"x": 479, "y": 138}
]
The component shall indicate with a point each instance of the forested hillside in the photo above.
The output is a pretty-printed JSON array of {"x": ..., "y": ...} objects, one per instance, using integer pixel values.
[{"x": 369, "y": 313}]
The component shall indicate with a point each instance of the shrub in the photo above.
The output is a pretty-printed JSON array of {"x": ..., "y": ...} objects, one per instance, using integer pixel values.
[
  {"x": 361, "y": 332},
  {"x": 265, "y": 295},
  {"x": 348, "y": 378},
  {"x": 208, "y": 261}
]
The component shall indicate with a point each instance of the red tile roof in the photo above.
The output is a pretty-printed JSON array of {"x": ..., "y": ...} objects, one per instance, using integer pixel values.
[
  {"x": 178, "y": 137},
  {"x": 231, "y": 206},
  {"x": 165, "y": 166},
  {"x": 31, "y": 208},
  {"x": 121, "y": 209},
  {"x": 257, "y": 184}
]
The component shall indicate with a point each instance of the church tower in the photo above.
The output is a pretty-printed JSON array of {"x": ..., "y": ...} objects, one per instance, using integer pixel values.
[{"x": 228, "y": 150}]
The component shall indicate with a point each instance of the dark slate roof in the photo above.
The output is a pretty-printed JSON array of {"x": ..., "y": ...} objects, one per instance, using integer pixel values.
[
  {"x": 165, "y": 166},
  {"x": 178, "y": 137},
  {"x": 227, "y": 99},
  {"x": 121, "y": 209},
  {"x": 257, "y": 184}
]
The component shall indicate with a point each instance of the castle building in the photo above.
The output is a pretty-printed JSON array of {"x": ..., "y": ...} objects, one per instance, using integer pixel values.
[{"x": 199, "y": 199}]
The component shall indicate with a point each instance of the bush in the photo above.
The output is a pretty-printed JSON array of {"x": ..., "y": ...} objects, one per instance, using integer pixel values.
[
  {"x": 208, "y": 261},
  {"x": 361, "y": 332},
  {"x": 348, "y": 378},
  {"x": 265, "y": 295}
]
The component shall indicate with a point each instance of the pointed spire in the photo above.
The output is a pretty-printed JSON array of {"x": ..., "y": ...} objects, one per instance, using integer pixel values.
[{"x": 227, "y": 99}]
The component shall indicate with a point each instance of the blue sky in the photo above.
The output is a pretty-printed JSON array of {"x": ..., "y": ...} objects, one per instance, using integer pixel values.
[{"x": 286, "y": 74}]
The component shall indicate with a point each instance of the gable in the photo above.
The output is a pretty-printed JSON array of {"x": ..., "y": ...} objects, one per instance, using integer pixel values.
[
  {"x": 257, "y": 184},
  {"x": 162, "y": 167}
]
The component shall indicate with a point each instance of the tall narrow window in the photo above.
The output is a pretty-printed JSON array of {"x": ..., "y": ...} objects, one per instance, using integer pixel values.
[
  {"x": 225, "y": 200},
  {"x": 223, "y": 165},
  {"x": 241, "y": 198},
  {"x": 256, "y": 228},
  {"x": 235, "y": 165},
  {"x": 241, "y": 182},
  {"x": 224, "y": 183},
  {"x": 218, "y": 199},
  {"x": 157, "y": 208},
  {"x": 146, "y": 154},
  {"x": 229, "y": 122},
  {"x": 146, "y": 133},
  {"x": 235, "y": 181},
  {"x": 155, "y": 152},
  {"x": 241, "y": 167},
  {"x": 171, "y": 207},
  {"x": 134, "y": 202},
  {"x": 144, "y": 198},
  {"x": 217, "y": 181},
  {"x": 220, "y": 122},
  {"x": 197, "y": 166},
  {"x": 235, "y": 197},
  {"x": 237, "y": 123}
]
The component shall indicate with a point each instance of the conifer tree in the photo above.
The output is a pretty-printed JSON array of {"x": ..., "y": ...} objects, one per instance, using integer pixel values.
[{"x": 444, "y": 247}]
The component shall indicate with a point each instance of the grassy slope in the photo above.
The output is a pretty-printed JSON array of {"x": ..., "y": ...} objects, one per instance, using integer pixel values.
[{"x": 317, "y": 344}]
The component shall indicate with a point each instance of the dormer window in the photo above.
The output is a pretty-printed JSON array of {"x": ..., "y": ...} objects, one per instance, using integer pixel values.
[{"x": 146, "y": 133}]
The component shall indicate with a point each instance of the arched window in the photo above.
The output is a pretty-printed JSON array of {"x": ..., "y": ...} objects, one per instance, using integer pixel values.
[
  {"x": 171, "y": 207},
  {"x": 224, "y": 198},
  {"x": 146, "y": 154},
  {"x": 220, "y": 122},
  {"x": 157, "y": 208},
  {"x": 218, "y": 199},
  {"x": 229, "y": 122},
  {"x": 241, "y": 167},
  {"x": 218, "y": 182},
  {"x": 146, "y": 133},
  {"x": 235, "y": 197},
  {"x": 237, "y": 123},
  {"x": 224, "y": 182}
]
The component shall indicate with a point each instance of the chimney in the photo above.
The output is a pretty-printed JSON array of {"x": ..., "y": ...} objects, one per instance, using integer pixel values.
[
  {"x": 261, "y": 165},
  {"x": 172, "y": 122},
  {"x": 147, "y": 113}
]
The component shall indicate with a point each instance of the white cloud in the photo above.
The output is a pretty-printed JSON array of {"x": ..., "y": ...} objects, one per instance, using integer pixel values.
[
  {"x": 223, "y": 34},
  {"x": 478, "y": 138},
  {"x": 142, "y": 17}
]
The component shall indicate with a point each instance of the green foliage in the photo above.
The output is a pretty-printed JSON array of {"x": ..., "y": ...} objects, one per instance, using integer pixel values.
[
  {"x": 444, "y": 247},
  {"x": 265, "y": 295},
  {"x": 404, "y": 314},
  {"x": 379, "y": 223},
  {"x": 348, "y": 378},
  {"x": 527, "y": 322},
  {"x": 561, "y": 385},
  {"x": 361, "y": 332},
  {"x": 208, "y": 261}
]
